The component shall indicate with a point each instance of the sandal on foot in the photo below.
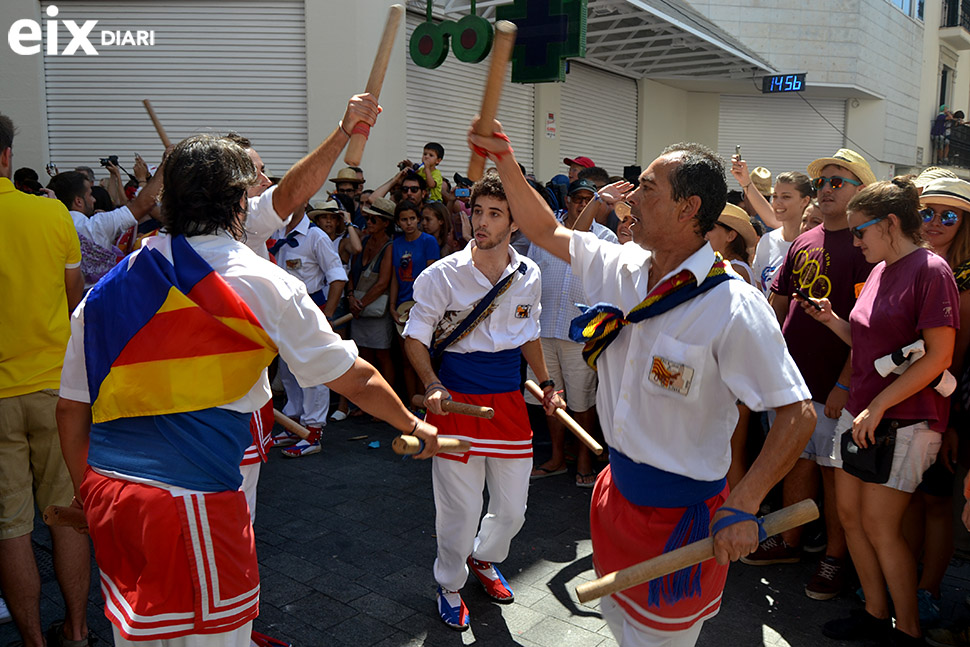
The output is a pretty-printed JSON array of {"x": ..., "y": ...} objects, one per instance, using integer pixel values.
[
  {"x": 585, "y": 480},
  {"x": 542, "y": 472}
]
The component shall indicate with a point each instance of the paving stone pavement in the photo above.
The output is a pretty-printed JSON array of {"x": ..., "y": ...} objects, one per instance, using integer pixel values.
[{"x": 345, "y": 540}]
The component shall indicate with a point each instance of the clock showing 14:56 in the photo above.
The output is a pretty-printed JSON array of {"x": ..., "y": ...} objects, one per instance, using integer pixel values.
[{"x": 783, "y": 83}]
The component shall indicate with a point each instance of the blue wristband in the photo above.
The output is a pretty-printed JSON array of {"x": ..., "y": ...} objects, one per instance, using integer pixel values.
[
  {"x": 737, "y": 516},
  {"x": 842, "y": 386}
]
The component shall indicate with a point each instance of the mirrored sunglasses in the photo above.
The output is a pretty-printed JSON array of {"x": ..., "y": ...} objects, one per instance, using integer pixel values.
[{"x": 948, "y": 218}]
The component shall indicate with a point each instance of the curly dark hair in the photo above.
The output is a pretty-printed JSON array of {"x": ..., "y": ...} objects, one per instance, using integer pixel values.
[
  {"x": 700, "y": 173},
  {"x": 205, "y": 183},
  {"x": 489, "y": 186}
]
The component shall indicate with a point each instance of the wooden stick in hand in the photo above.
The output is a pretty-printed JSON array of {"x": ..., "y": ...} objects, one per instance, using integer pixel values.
[
  {"x": 287, "y": 423},
  {"x": 355, "y": 149},
  {"x": 158, "y": 125},
  {"x": 695, "y": 553},
  {"x": 567, "y": 420},
  {"x": 501, "y": 54},
  {"x": 410, "y": 445},
  {"x": 462, "y": 408}
]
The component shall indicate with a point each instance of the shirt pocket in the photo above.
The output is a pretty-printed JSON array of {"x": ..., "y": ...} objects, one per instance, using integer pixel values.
[{"x": 675, "y": 369}]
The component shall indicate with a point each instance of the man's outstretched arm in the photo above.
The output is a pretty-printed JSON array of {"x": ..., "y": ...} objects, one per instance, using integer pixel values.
[
  {"x": 530, "y": 212},
  {"x": 307, "y": 176}
]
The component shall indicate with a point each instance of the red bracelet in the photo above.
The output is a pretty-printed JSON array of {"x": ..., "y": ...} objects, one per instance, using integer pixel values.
[{"x": 481, "y": 152}]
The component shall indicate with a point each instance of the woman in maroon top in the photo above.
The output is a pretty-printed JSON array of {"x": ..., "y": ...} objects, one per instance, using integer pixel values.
[{"x": 910, "y": 295}]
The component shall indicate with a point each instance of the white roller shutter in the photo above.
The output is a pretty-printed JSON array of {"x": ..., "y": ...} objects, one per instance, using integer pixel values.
[
  {"x": 441, "y": 103},
  {"x": 599, "y": 118},
  {"x": 217, "y": 65},
  {"x": 781, "y": 133}
]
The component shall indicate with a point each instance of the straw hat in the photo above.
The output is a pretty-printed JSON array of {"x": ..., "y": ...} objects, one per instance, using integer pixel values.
[
  {"x": 346, "y": 175},
  {"x": 761, "y": 178},
  {"x": 846, "y": 158},
  {"x": 381, "y": 207},
  {"x": 403, "y": 312},
  {"x": 319, "y": 206},
  {"x": 737, "y": 219},
  {"x": 931, "y": 173},
  {"x": 949, "y": 192}
]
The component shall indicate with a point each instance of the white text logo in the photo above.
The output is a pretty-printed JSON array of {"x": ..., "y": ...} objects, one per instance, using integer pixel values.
[{"x": 24, "y": 36}]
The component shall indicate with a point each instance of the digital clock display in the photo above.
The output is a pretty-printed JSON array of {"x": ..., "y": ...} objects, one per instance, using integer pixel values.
[{"x": 783, "y": 83}]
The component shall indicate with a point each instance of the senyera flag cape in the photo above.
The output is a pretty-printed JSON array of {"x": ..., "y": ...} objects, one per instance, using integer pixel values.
[{"x": 164, "y": 333}]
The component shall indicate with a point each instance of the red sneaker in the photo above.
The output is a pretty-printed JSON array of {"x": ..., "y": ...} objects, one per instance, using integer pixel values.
[{"x": 495, "y": 584}]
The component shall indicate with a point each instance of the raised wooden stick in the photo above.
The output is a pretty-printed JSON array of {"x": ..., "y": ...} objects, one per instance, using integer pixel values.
[
  {"x": 287, "y": 423},
  {"x": 567, "y": 420},
  {"x": 355, "y": 149},
  {"x": 695, "y": 553},
  {"x": 64, "y": 515},
  {"x": 501, "y": 54},
  {"x": 462, "y": 408},
  {"x": 409, "y": 445},
  {"x": 158, "y": 125}
]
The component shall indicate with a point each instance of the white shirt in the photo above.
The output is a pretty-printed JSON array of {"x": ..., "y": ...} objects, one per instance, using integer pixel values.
[
  {"x": 280, "y": 303},
  {"x": 262, "y": 222},
  {"x": 449, "y": 288},
  {"x": 561, "y": 289},
  {"x": 315, "y": 260},
  {"x": 768, "y": 259},
  {"x": 728, "y": 337},
  {"x": 104, "y": 228}
]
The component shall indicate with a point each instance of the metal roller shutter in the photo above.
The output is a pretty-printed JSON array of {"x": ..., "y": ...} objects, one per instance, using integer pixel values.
[
  {"x": 599, "y": 117},
  {"x": 441, "y": 103},
  {"x": 781, "y": 133},
  {"x": 217, "y": 65}
]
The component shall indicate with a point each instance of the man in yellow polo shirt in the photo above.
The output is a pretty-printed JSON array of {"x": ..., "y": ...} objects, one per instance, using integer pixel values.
[{"x": 40, "y": 259}]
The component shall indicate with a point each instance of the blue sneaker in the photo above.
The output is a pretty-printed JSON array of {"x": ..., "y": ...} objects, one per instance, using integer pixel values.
[{"x": 455, "y": 617}]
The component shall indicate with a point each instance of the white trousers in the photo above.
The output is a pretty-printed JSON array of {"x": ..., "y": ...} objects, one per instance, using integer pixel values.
[
  {"x": 628, "y": 634},
  {"x": 458, "y": 498},
  {"x": 310, "y": 404},
  {"x": 250, "y": 474},
  {"x": 236, "y": 638}
]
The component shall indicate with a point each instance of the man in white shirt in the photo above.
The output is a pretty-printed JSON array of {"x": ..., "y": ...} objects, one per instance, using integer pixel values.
[
  {"x": 669, "y": 381},
  {"x": 307, "y": 253},
  {"x": 100, "y": 231},
  {"x": 487, "y": 283},
  {"x": 173, "y": 575},
  {"x": 562, "y": 292}
]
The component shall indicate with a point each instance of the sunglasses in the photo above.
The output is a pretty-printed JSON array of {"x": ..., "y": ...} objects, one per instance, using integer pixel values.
[
  {"x": 857, "y": 231},
  {"x": 411, "y": 189},
  {"x": 836, "y": 181},
  {"x": 947, "y": 218}
]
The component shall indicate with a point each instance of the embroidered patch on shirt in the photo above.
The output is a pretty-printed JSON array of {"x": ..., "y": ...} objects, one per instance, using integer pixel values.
[
  {"x": 671, "y": 375},
  {"x": 522, "y": 311},
  {"x": 294, "y": 263}
]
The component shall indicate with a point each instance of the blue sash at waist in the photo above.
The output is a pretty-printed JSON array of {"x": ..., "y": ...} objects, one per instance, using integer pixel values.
[
  {"x": 649, "y": 486},
  {"x": 197, "y": 450},
  {"x": 481, "y": 372},
  {"x": 644, "y": 485}
]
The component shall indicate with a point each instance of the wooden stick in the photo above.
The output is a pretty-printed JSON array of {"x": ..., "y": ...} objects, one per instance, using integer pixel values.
[
  {"x": 567, "y": 420},
  {"x": 409, "y": 445},
  {"x": 339, "y": 321},
  {"x": 65, "y": 515},
  {"x": 158, "y": 125},
  {"x": 355, "y": 149},
  {"x": 695, "y": 553},
  {"x": 462, "y": 408},
  {"x": 287, "y": 423},
  {"x": 501, "y": 53}
]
